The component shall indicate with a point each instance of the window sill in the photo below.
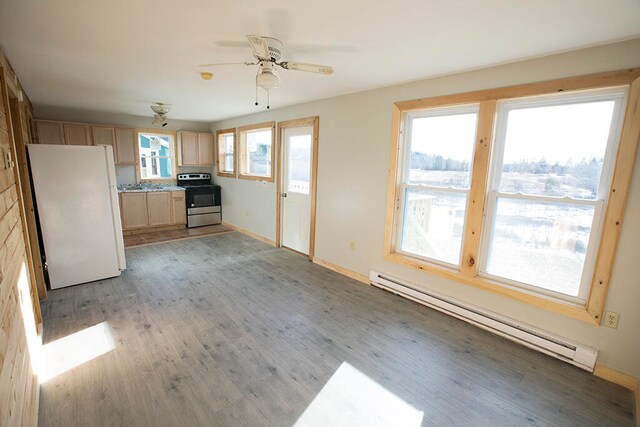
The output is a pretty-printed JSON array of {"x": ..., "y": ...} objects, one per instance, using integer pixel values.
[
  {"x": 256, "y": 177},
  {"x": 565, "y": 309}
]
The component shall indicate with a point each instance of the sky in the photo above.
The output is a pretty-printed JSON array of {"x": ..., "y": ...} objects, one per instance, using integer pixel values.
[{"x": 574, "y": 131}]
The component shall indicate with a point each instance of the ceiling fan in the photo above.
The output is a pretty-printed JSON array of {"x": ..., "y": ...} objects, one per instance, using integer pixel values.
[{"x": 267, "y": 51}]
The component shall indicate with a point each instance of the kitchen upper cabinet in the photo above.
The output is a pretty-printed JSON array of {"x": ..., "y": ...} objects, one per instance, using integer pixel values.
[
  {"x": 49, "y": 132},
  {"x": 77, "y": 134},
  {"x": 159, "y": 206},
  {"x": 188, "y": 151},
  {"x": 178, "y": 207},
  {"x": 205, "y": 149},
  {"x": 134, "y": 210},
  {"x": 103, "y": 135},
  {"x": 195, "y": 149},
  {"x": 126, "y": 146}
]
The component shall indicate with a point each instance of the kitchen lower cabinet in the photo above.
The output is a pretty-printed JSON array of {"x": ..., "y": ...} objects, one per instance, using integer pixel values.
[
  {"x": 159, "y": 206},
  {"x": 152, "y": 209},
  {"x": 179, "y": 207},
  {"x": 133, "y": 207}
]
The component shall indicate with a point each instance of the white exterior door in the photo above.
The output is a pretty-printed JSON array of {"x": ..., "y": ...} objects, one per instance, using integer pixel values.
[{"x": 296, "y": 189}]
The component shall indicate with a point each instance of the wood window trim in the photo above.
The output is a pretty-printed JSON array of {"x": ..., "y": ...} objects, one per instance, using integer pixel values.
[
  {"x": 239, "y": 145},
  {"x": 616, "y": 201},
  {"x": 174, "y": 163},
  {"x": 219, "y": 152},
  {"x": 307, "y": 121}
]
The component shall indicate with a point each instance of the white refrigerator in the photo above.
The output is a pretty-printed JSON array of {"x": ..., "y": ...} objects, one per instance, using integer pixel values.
[{"x": 79, "y": 213}]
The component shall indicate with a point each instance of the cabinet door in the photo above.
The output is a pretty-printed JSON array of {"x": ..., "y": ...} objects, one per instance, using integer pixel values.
[
  {"x": 50, "y": 133},
  {"x": 103, "y": 135},
  {"x": 159, "y": 205},
  {"x": 126, "y": 146},
  {"x": 134, "y": 210},
  {"x": 188, "y": 149},
  {"x": 179, "y": 208},
  {"x": 75, "y": 134},
  {"x": 205, "y": 149}
]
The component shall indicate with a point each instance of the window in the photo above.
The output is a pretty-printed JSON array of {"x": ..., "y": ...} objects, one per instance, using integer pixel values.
[
  {"x": 256, "y": 152},
  {"x": 519, "y": 190},
  {"x": 550, "y": 180},
  {"x": 436, "y": 174},
  {"x": 156, "y": 156},
  {"x": 226, "y": 148}
]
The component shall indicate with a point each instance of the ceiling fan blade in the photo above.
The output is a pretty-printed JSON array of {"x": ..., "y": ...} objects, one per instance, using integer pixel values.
[
  {"x": 311, "y": 68},
  {"x": 259, "y": 46},
  {"x": 228, "y": 63}
]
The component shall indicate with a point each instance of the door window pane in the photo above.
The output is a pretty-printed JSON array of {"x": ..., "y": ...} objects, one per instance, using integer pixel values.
[
  {"x": 540, "y": 243},
  {"x": 433, "y": 224},
  {"x": 442, "y": 149},
  {"x": 556, "y": 150},
  {"x": 299, "y": 164}
]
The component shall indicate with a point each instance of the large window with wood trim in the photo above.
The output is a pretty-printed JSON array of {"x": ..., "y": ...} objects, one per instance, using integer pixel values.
[
  {"x": 519, "y": 190},
  {"x": 549, "y": 182},
  {"x": 226, "y": 152},
  {"x": 436, "y": 165},
  {"x": 256, "y": 151}
]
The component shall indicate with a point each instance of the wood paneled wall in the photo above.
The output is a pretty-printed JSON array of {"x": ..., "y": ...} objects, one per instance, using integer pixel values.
[{"x": 19, "y": 306}]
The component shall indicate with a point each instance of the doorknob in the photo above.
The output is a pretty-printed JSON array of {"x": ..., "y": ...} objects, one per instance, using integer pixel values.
[{"x": 284, "y": 194}]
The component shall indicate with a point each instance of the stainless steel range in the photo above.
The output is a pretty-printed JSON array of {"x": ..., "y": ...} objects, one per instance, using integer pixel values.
[{"x": 203, "y": 199}]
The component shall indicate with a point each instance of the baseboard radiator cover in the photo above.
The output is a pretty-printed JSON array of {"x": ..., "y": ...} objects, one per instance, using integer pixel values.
[{"x": 571, "y": 352}]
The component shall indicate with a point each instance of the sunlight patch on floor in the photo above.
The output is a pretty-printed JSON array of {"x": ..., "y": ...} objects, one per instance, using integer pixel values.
[
  {"x": 74, "y": 350},
  {"x": 351, "y": 398}
]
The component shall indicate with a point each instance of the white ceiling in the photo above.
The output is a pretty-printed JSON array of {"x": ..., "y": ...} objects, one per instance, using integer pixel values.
[{"x": 121, "y": 55}]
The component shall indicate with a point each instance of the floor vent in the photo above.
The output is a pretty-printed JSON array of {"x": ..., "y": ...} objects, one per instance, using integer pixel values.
[{"x": 577, "y": 354}]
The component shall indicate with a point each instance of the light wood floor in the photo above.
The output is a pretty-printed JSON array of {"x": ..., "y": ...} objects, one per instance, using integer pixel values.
[{"x": 226, "y": 330}]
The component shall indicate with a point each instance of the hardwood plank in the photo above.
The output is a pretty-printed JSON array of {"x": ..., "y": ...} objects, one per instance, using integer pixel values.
[{"x": 227, "y": 330}]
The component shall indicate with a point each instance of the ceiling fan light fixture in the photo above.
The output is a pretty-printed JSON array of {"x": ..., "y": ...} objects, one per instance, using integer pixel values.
[
  {"x": 160, "y": 108},
  {"x": 267, "y": 80}
]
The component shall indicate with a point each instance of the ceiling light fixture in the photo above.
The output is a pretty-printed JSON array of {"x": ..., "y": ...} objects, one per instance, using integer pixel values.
[
  {"x": 205, "y": 75},
  {"x": 267, "y": 79},
  {"x": 160, "y": 117}
]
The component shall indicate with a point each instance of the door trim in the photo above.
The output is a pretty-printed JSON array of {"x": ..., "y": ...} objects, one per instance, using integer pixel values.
[{"x": 315, "y": 123}]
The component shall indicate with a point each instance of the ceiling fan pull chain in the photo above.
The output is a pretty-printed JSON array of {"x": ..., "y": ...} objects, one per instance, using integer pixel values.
[
  {"x": 268, "y": 100},
  {"x": 256, "y": 94}
]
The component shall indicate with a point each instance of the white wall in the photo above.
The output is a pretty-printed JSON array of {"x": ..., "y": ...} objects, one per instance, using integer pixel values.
[
  {"x": 353, "y": 160},
  {"x": 124, "y": 174}
]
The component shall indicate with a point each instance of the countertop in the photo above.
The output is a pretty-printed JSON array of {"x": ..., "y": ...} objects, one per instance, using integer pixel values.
[{"x": 144, "y": 188}]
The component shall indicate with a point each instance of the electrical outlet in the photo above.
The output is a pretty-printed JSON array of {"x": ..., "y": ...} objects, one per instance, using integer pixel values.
[
  {"x": 611, "y": 319},
  {"x": 352, "y": 245}
]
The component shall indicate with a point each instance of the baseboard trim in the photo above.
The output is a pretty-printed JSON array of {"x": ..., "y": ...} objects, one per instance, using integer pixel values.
[
  {"x": 616, "y": 377},
  {"x": 342, "y": 270},
  {"x": 250, "y": 233}
]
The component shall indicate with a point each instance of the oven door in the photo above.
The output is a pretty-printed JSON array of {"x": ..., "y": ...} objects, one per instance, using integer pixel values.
[{"x": 200, "y": 198}]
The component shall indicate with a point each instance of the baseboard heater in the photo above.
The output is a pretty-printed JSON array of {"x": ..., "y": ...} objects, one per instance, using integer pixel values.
[{"x": 577, "y": 354}]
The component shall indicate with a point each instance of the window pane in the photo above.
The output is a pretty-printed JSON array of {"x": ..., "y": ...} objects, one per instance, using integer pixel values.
[
  {"x": 539, "y": 243},
  {"x": 556, "y": 150},
  {"x": 156, "y": 156},
  {"x": 258, "y": 150},
  {"x": 299, "y": 163},
  {"x": 433, "y": 222},
  {"x": 228, "y": 143},
  {"x": 442, "y": 150},
  {"x": 228, "y": 163}
]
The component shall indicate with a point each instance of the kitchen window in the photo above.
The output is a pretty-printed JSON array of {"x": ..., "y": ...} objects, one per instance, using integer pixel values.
[
  {"x": 226, "y": 149},
  {"x": 256, "y": 151},
  {"x": 156, "y": 156},
  {"x": 519, "y": 190}
]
